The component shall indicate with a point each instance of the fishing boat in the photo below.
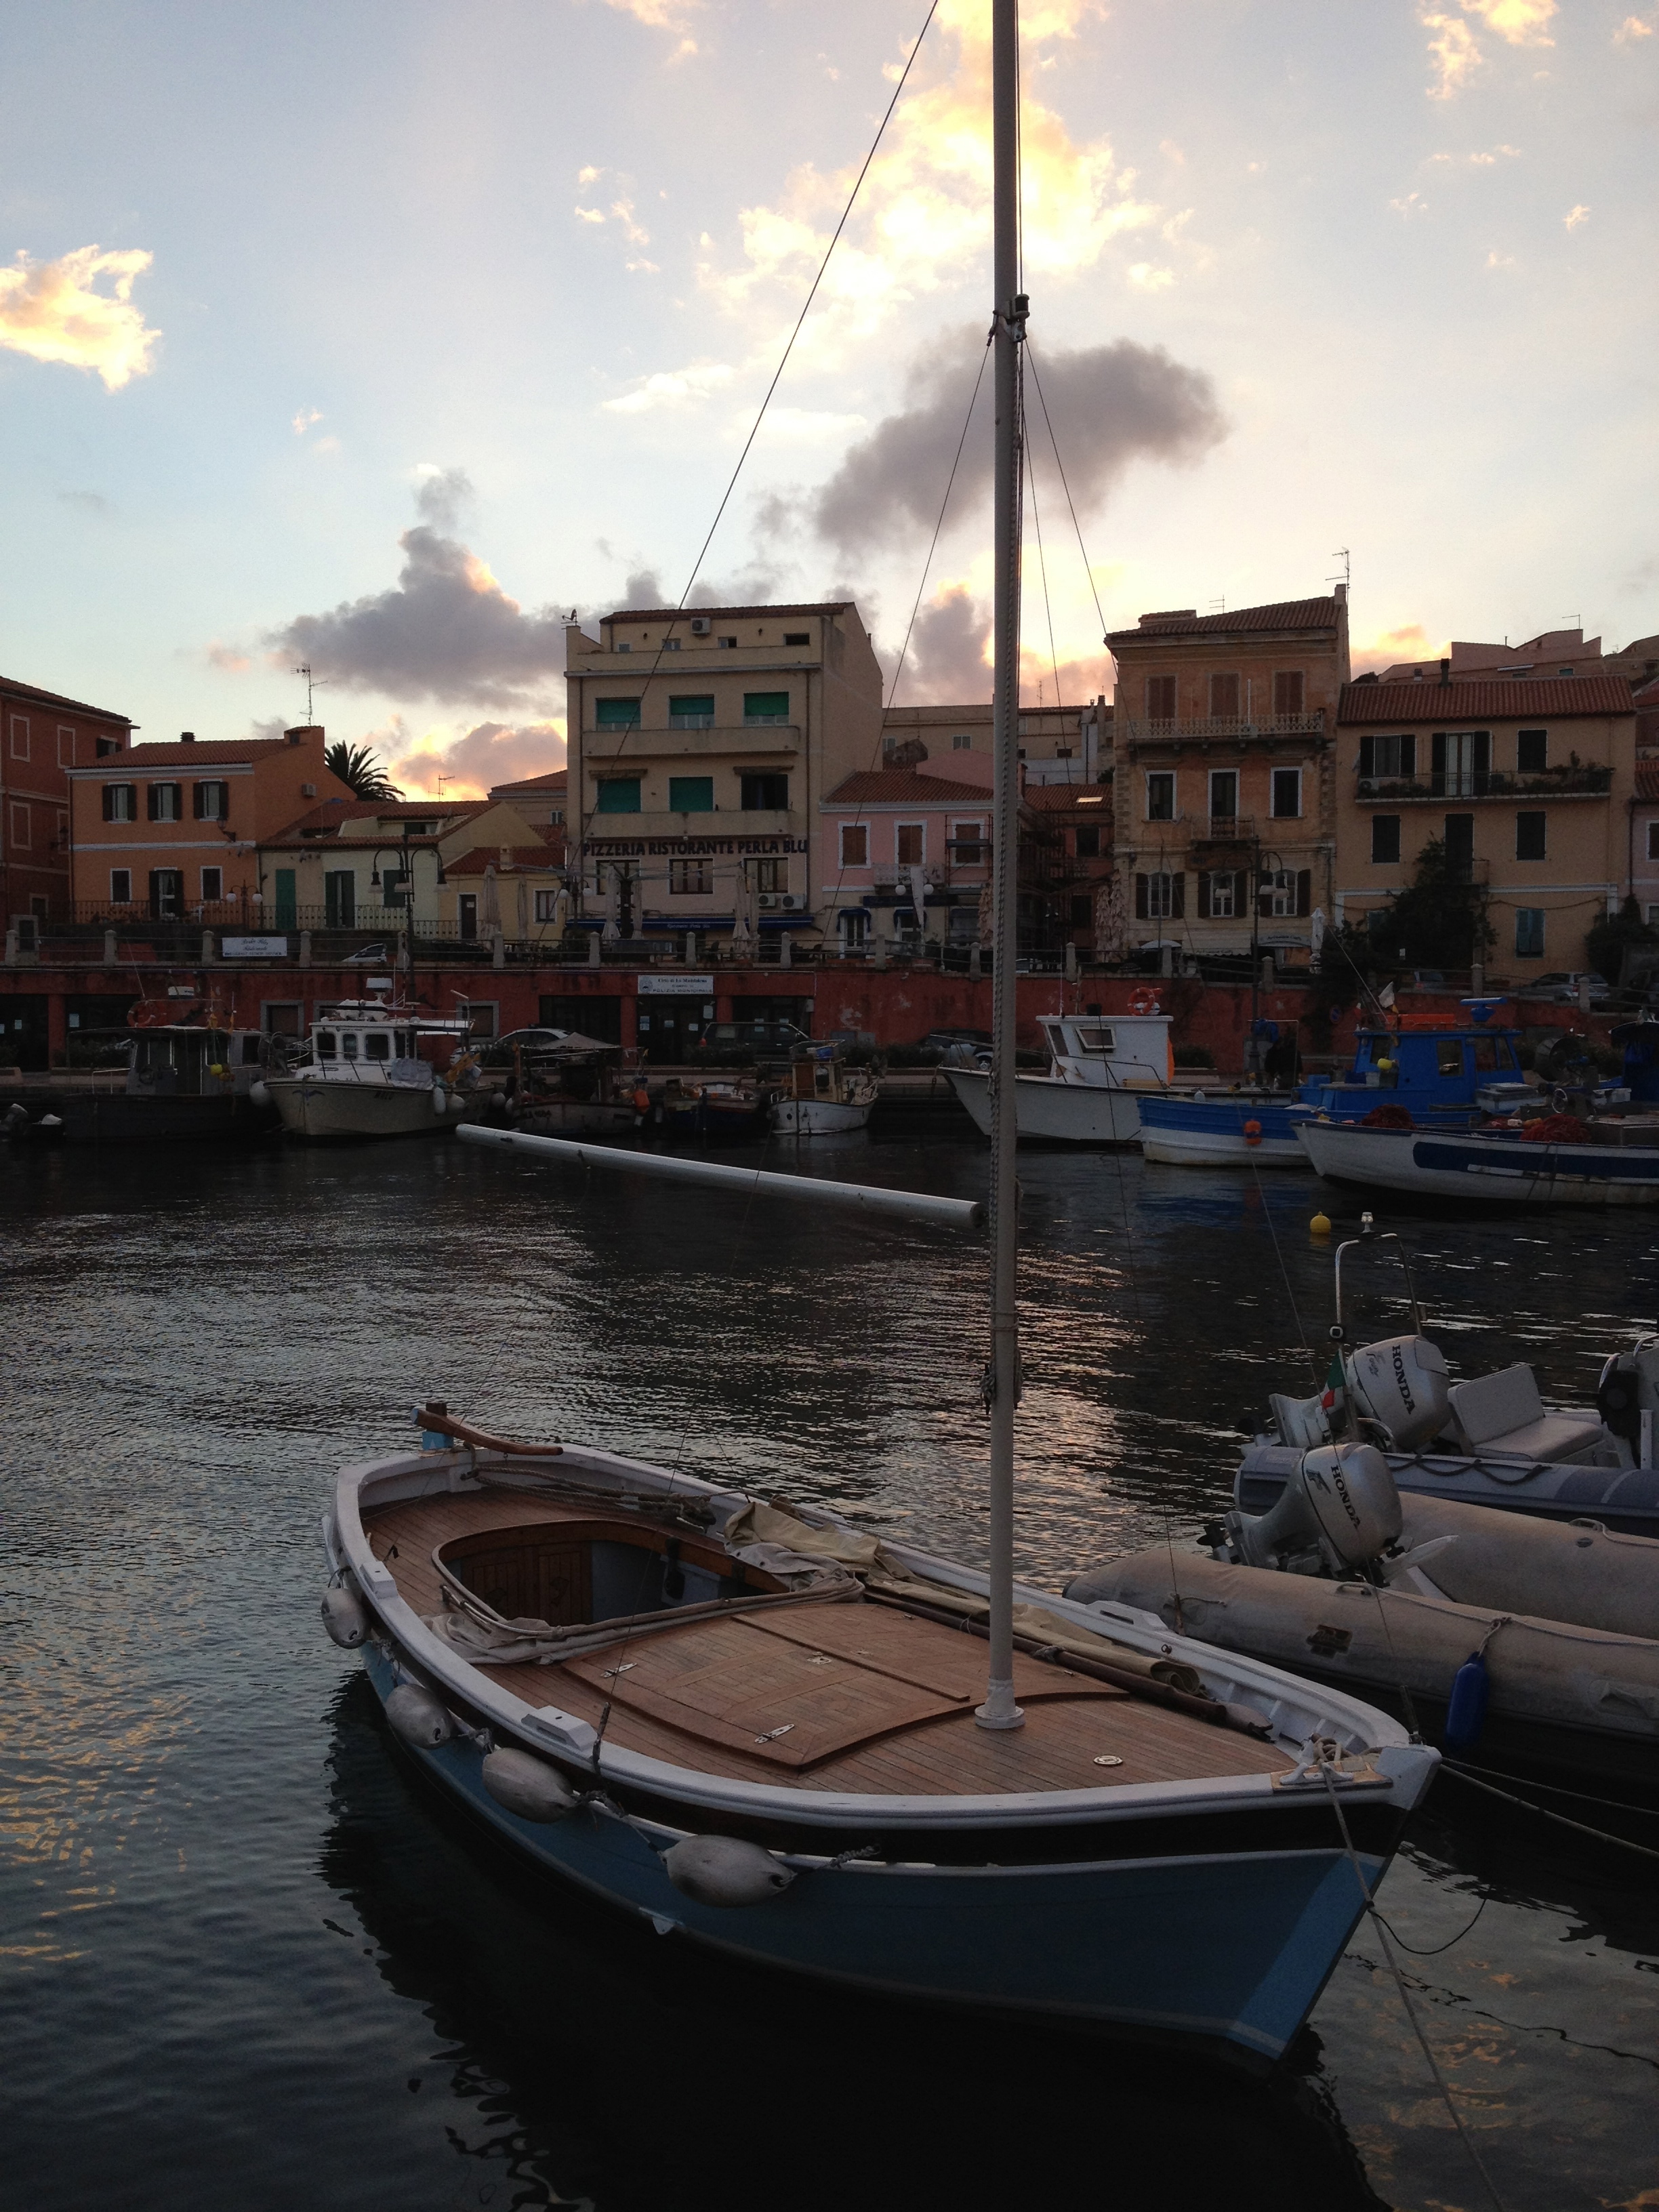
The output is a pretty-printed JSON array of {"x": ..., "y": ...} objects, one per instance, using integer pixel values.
[
  {"x": 1100, "y": 1069},
  {"x": 761, "y": 1730},
  {"x": 362, "y": 1075},
  {"x": 562, "y": 1083},
  {"x": 1429, "y": 1066},
  {"x": 189, "y": 1077},
  {"x": 1559, "y": 1159},
  {"x": 824, "y": 1097}
]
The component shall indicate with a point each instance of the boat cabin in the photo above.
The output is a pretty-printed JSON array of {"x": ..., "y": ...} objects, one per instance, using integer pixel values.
[
  {"x": 187, "y": 1063},
  {"x": 1436, "y": 1060},
  {"x": 1116, "y": 1051}
]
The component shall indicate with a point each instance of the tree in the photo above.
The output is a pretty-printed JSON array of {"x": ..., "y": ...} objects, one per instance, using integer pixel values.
[
  {"x": 1439, "y": 921},
  {"x": 1613, "y": 936},
  {"x": 358, "y": 768}
]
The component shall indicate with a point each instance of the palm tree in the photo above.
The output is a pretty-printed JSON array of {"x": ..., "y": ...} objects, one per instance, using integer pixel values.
[{"x": 359, "y": 769}]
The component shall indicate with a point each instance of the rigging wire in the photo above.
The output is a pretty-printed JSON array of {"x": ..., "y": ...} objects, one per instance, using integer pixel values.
[{"x": 1088, "y": 573}]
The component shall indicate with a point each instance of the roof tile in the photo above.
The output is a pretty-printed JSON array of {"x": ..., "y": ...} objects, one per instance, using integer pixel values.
[
  {"x": 1284, "y": 614},
  {"x": 903, "y": 786},
  {"x": 1472, "y": 700}
]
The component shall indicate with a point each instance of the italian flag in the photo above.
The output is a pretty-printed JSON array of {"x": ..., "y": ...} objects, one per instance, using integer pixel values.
[{"x": 1334, "y": 1398}]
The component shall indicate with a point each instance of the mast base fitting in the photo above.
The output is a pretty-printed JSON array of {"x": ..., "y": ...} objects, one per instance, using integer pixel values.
[{"x": 999, "y": 1710}]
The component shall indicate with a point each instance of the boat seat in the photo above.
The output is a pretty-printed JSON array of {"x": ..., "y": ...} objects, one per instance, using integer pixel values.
[{"x": 1504, "y": 1413}]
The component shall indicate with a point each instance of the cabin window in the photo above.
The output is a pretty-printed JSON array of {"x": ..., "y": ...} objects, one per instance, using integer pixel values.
[
  {"x": 164, "y": 802},
  {"x": 1287, "y": 691},
  {"x": 690, "y": 879},
  {"x": 1448, "y": 1057},
  {"x": 213, "y": 886},
  {"x": 1160, "y": 698},
  {"x": 910, "y": 845},
  {"x": 120, "y": 802},
  {"x": 855, "y": 844},
  {"x": 691, "y": 794},
  {"x": 327, "y": 1048},
  {"x": 1094, "y": 1037},
  {"x": 349, "y": 1044},
  {"x": 1529, "y": 837},
  {"x": 616, "y": 713},
  {"x": 1385, "y": 839},
  {"x": 1532, "y": 751},
  {"x": 691, "y": 711},
  {"x": 120, "y": 886},
  {"x": 1486, "y": 1056},
  {"x": 1388, "y": 758},
  {"x": 1287, "y": 794},
  {"x": 1529, "y": 932},
  {"x": 405, "y": 1044},
  {"x": 1224, "y": 794},
  {"x": 619, "y": 794},
  {"x": 377, "y": 1045},
  {"x": 211, "y": 801},
  {"x": 1160, "y": 795}
]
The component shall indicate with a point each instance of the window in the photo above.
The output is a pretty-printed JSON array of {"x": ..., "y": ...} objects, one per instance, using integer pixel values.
[
  {"x": 1062, "y": 752},
  {"x": 21, "y": 828},
  {"x": 671, "y": 645},
  {"x": 1653, "y": 841},
  {"x": 962, "y": 743},
  {"x": 618, "y": 794},
  {"x": 1459, "y": 761},
  {"x": 1083, "y": 910},
  {"x": 1529, "y": 932},
  {"x": 1160, "y": 897},
  {"x": 966, "y": 844},
  {"x": 1221, "y": 894},
  {"x": 1448, "y": 1057},
  {"x": 20, "y": 738},
  {"x": 120, "y": 886},
  {"x": 377, "y": 1045},
  {"x": 120, "y": 802},
  {"x": 1284, "y": 892},
  {"x": 1529, "y": 837},
  {"x": 1160, "y": 698},
  {"x": 798, "y": 637},
  {"x": 1223, "y": 698},
  {"x": 771, "y": 875},
  {"x": 1459, "y": 846},
  {"x": 1287, "y": 691},
  {"x": 547, "y": 906},
  {"x": 727, "y": 643},
  {"x": 213, "y": 886},
  {"x": 166, "y": 894},
  {"x": 107, "y": 745},
  {"x": 65, "y": 747},
  {"x": 211, "y": 801},
  {"x": 394, "y": 887},
  {"x": 694, "y": 710},
  {"x": 764, "y": 795},
  {"x": 164, "y": 799},
  {"x": 326, "y": 1047},
  {"x": 1385, "y": 839},
  {"x": 1087, "y": 835},
  {"x": 592, "y": 1015},
  {"x": 910, "y": 844},
  {"x": 339, "y": 899},
  {"x": 855, "y": 844},
  {"x": 1160, "y": 795},
  {"x": 1224, "y": 794},
  {"x": 1287, "y": 794},
  {"x": 691, "y": 794},
  {"x": 765, "y": 706},
  {"x": 349, "y": 1043},
  {"x": 690, "y": 879},
  {"x": 623, "y": 646},
  {"x": 616, "y": 713},
  {"x": 853, "y": 925},
  {"x": 1532, "y": 751},
  {"x": 1389, "y": 758}
]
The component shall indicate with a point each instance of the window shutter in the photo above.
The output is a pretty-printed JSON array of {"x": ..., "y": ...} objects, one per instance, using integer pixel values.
[
  {"x": 1203, "y": 896},
  {"x": 1304, "y": 890},
  {"x": 1242, "y": 891},
  {"x": 1368, "y": 757},
  {"x": 1438, "y": 753},
  {"x": 1409, "y": 757},
  {"x": 1141, "y": 898},
  {"x": 1177, "y": 897},
  {"x": 1482, "y": 760}
]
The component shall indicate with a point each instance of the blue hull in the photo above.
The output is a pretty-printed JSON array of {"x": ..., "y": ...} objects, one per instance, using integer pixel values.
[{"x": 1227, "y": 1950}]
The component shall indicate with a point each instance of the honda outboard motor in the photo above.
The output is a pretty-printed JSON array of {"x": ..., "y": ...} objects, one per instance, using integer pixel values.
[
  {"x": 1401, "y": 1385},
  {"x": 1339, "y": 1511}
]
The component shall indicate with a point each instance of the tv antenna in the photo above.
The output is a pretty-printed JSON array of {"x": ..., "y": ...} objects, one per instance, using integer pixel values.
[
  {"x": 312, "y": 683},
  {"x": 1346, "y": 577},
  {"x": 1219, "y": 606}
]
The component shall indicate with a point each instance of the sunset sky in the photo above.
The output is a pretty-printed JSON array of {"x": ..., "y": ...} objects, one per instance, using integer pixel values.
[{"x": 384, "y": 333}]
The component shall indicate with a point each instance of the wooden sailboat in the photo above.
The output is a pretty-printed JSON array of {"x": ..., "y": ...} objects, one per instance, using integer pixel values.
[{"x": 765, "y": 1731}]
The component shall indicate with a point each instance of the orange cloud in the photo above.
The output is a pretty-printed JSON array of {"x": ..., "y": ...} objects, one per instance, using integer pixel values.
[
  {"x": 53, "y": 310},
  {"x": 440, "y": 763},
  {"x": 1411, "y": 641}
]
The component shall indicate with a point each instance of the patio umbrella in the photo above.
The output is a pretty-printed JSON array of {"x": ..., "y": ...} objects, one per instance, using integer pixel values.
[
  {"x": 524, "y": 911},
  {"x": 490, "y": 903}
]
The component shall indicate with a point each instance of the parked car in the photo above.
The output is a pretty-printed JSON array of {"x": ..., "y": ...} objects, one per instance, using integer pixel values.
[
  {"x": 1426, "y": 979},
  {"x": 1560, "y": 987}
]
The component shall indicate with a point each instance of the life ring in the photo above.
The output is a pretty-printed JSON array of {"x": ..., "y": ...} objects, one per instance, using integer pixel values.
[
  {"x": 1253, "y": 1133},
  {"x": 1143, "y": 1002}
]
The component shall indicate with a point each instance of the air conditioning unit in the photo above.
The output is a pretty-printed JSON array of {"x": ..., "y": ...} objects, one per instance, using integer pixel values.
[
  {"x": 787, "y": 899},
  {"x": 701, "y": 625},
  {"x": 767, "y": 899}
]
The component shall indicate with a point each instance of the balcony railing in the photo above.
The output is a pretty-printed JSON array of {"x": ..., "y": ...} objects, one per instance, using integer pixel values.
[
  {"x": 1178, "y": 728},
  {"x": 1588, "y": 780}
]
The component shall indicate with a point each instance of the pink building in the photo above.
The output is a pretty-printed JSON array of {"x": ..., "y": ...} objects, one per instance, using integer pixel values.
[{"x": 904, "y": 855}]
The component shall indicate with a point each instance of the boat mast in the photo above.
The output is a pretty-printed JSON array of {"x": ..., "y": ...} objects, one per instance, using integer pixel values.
[{"x": 999, "y": 1710}]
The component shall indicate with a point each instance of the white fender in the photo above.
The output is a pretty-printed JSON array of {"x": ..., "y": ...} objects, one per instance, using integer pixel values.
[
  {"x": 345, "y": 1616},
  {"x": 725, "y": 1870},
  {"x": 527, "y": 1785},
  {"x": 259, "y": 1092},
  {"x": 439, "y": 1099},
  {"x": 416, "y": 1717}
]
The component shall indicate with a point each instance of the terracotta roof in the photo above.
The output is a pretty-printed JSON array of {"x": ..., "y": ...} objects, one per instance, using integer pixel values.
[
  {"x": 685, "y": 614},
  {"x": 15, "y": 690},
  {"x": 904, "y": 786},
  {"x": 1648, "y": 695},
  {"x": 321, "y": 820},
  {"x": 555, "y": 780},
  {"x": 215, "y": 753},
  {"x": 287, "y": 841},
  {"x": 1066, "y": 798},
  {"x": 418, "y": 810},
  {"x": 1647, "y": 778},
  {"x": 1285, "y": 614},
  {"x": 1529, "y": 698},
  {"x": 489, "y": 856}
]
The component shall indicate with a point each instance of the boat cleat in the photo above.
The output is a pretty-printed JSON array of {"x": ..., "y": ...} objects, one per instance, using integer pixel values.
[{"x": 1323, "y": 1763}]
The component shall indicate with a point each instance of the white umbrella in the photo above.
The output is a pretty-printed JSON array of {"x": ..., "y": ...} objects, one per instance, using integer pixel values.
[
  {"x": 490, "y": 904},
  {"x": 612, "y": 932},
  {"x": 524, "y": 911},
  {"x": 1317, "y": 931}
]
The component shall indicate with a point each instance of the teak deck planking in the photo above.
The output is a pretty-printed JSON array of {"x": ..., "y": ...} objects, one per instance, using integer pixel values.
[{"x": 916, "y": 1681}]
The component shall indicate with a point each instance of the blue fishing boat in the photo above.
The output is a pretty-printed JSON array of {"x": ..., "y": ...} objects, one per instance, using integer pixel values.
[{"x": 1437, "y": 1072}]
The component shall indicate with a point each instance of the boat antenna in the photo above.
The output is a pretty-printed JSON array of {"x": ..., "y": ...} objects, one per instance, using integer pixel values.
[{"x": 1002, "y": 1375}]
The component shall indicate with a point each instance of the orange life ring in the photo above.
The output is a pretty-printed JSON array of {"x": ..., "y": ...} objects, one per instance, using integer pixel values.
[
  {"x": 1253, "y": 1133},
  {"x": 1143, "y": 1002}
]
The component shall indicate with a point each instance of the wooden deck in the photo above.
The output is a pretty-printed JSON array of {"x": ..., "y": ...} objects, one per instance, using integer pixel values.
[{"x": 834, "y": 1696}]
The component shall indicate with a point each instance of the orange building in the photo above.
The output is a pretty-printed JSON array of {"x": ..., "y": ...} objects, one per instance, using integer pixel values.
[
  {"x": 44, "y": 737},
  {"x": 173, "y": 832}
]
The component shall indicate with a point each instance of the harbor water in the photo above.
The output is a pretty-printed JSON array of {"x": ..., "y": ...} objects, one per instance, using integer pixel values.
[{"x": 250, "y": 1961}]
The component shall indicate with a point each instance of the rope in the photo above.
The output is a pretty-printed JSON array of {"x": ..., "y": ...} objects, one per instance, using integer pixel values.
[
  {"x": 1601, "y": 1835},
  {"x": 1060, "y": 465}
]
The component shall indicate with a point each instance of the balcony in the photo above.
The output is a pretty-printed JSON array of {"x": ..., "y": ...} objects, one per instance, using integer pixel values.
[
  {"x": 1581, "y": 780},
  {"x": 1206, "y": 729},
  {"x": 1223, "y": 830},
  {"x": 691, "y": 737}
]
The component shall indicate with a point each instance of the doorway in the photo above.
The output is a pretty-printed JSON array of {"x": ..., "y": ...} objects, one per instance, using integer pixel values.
[{"x": 671, "y": 1030}]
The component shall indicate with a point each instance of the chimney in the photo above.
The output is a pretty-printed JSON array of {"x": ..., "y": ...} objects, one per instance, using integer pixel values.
[
  {"x": 1445, "y": 672},
  {"x": 1341, "y": 595},
  {"x": 305, "y": 730},
  {"x": 186, "y": 736}
]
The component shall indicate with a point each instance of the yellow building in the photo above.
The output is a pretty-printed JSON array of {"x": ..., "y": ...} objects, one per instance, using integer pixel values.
[
  {"x": 1529, "y": 785},
  {"x": 700, "y": 745},
  {"x": 369, "y": 864}
]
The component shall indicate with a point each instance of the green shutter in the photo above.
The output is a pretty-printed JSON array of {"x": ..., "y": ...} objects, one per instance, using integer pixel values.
[
  {"x": 766, "y": 705},
  {"x": 619, "y": 794},
  {"x": 691, "y": 794},
  {"x": 695, "y": 707},
  {"x": 616, "y": 713}
]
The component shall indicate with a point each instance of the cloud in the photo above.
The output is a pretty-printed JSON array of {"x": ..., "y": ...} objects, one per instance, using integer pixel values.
[
  {"x": 1110, "y": 405},
  {"x": 303, "y": 421},
  {"x": 1412, "y": 203},
  {"x": 755, "y": 586},
  {"x": 89, "y": 502},
  {"x": 232, "y": 660},
  {"x": 673, "y": 16},
  {"x": 1496, "y": 260},
  {"x": 52, "y": 310},
  {"x": 1575, "y": 217},
  {"x": 1522, "y": 22},
  {"x": 1387, "y": 648},
  {"x": 1456, "y": 53},
  {"x": 1485, "y": 159},
  {"x": 947, "y": 662},
  {"x": 469, "y": 766},
  {"x": 445, "y": 630},
  {"x": 922, "y": 222},
  {"x": 672, "y": 387},
  {"x": 1633, "y": 29}
]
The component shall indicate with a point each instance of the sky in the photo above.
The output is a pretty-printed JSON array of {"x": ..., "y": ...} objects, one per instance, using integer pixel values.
[{"x": 381, "y": 337}]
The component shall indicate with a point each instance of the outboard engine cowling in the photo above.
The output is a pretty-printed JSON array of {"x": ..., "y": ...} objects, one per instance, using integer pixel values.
[
  {"x": 1339, "y": 1511},
  {"x": 1402, "y": 1385}
]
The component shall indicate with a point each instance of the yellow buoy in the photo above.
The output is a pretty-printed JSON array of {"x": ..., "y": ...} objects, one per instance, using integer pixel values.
[{"x": 1320, "y": 1225}]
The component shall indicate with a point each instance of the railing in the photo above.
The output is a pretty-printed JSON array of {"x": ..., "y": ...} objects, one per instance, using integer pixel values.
[
  {"x": 1149, "y": 731},
  {"x": 1588, "y": 780},
  {"x": 1225, "y": 829}
]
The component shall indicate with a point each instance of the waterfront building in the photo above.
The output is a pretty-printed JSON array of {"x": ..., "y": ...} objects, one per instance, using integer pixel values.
[
  {"x": 1056, "y": 745},
  {"x": 1077, "y": 867},
  {"x": 1527, "y": 781},
  {"x": 365, "y": 864},
  {"x": 43, "y": 737},
  {"x": 905, "y": 857},
  {"x": 1644, "y": 804},
  {"x": 701, "y": 743},
  {"x": 172, "y": 832},
  {"x": 541, "y": 801},
  {"x": 1223, "y": 788},
  {"x": 1557, "y": 654}
]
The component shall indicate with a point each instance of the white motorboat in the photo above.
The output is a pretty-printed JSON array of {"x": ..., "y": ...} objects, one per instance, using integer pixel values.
[
  {"x": 825, "y": 1097},
  {"x": 362, "y": 1076},
  {"x": 1100, "y": 1067}
]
